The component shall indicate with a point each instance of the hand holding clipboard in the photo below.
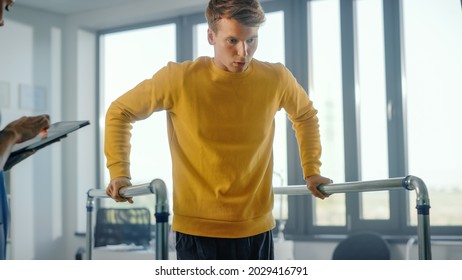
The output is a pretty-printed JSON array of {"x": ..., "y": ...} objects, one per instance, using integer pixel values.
[{"x": 54, "y": 133}]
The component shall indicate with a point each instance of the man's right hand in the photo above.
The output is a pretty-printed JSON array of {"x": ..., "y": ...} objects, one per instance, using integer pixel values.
[{"x": 114, "y": 187}]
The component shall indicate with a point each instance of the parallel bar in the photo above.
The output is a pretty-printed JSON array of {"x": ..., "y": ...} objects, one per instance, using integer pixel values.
[
  {"x": 131, "y": 191},
  {"x": 409, "y": 183},
  {"x": 156, "y": 187},
  {"x": 363, "y": 186}
]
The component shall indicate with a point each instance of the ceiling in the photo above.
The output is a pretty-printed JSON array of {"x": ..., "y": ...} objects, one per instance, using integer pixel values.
[{"x": 68, "y": 7}]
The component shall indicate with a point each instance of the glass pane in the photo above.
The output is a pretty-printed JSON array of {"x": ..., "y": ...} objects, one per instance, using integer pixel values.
[
  {"x": 128, "y": 58},
  {"x": 433, "y": 59},
  {"x": 372, "y": 105},
  {"x": 326, "y": 93},
  {"x": 271, "y": 40},
  {"x": 375, "y": 205},
  {"x": 270, "y": 48},
  {"x": 201, "y": 44}
]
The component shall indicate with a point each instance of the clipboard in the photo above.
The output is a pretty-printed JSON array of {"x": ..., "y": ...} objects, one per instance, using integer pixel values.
[{"x": 55, "y": 133}]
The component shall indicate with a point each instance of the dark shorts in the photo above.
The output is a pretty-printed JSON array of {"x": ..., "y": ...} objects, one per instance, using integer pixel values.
[{"x": 257, "y": 247}]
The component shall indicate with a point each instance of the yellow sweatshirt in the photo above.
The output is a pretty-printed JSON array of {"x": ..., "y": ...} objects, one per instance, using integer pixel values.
[{"x": 220, "y": 129}]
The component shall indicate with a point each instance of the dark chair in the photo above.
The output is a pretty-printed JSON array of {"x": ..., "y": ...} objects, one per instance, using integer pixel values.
[
  {"x": 116, "y": 226},
  {"x": 122, "y": 226},
  {"x": 362, "y": 246}
]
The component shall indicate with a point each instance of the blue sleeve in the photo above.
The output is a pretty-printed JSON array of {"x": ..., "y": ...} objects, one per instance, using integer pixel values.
[{"x": 4, "y": 214}]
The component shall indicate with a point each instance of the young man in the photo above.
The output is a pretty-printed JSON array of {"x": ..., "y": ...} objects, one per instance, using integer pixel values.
[{"x": 221, "y": 126}]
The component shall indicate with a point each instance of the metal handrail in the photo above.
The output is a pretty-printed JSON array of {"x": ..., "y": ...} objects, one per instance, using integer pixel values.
[
  {"x": 156, "y": 187},
  {"x": 409, "y": 183}
]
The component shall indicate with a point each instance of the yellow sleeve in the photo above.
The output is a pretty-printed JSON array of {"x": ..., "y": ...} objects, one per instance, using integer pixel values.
[
  {"x": 304, "y": 120},
  {"x": 117, "y": 140},
  {"x": 139, "y": 103}
]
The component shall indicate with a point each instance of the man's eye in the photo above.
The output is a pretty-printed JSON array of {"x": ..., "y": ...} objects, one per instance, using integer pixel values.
[
  {"x": 232, "y": 41},
  {"x": 250, "y": 41}
]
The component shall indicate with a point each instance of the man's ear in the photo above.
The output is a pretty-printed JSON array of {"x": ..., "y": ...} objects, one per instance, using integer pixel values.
[{"x": 211, "y": 36}]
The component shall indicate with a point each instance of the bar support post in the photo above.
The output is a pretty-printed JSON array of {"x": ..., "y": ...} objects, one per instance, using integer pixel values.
[
  {"x": 410, "y": 183},
  {"x": 157, "y": 187}
]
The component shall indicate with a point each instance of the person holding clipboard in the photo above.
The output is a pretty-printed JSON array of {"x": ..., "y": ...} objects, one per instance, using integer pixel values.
[
  {"x": 18, "y": 131},
  {"x": 19, "y": 140}
]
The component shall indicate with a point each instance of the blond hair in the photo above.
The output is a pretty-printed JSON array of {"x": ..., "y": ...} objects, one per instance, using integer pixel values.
[{"x": 246, "y": 12}]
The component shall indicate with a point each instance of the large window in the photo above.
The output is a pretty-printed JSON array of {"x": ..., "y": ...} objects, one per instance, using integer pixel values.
[
  {"x": 348, "y": 45},
  {"x": 372, "y": 107},
  {"x": 326, "y": 93},
  {"x": 128, "y": 57},
  {"x": 433, "y": 61}
]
